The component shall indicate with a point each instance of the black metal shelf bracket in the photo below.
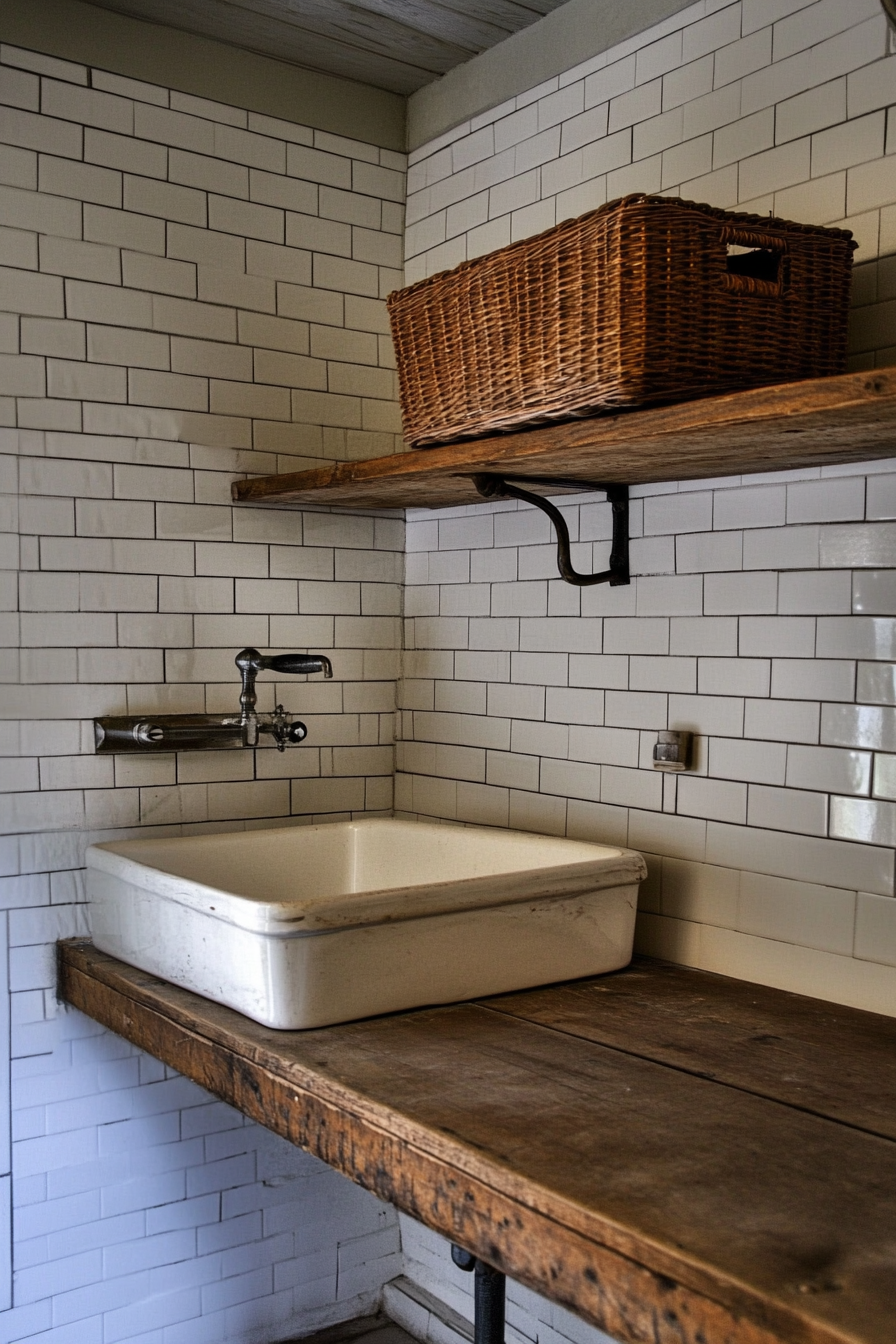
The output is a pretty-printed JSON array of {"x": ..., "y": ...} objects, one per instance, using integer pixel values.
[{"x": 493, "y": 486}]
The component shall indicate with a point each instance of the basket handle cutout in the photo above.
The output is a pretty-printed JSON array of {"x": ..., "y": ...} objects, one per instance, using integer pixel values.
[{"x": 755, "y": 263}]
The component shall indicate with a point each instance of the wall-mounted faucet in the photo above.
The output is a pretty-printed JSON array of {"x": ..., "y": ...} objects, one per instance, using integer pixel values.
[
  {"x": 250, "y": 662},
  {"x": 217, "y": 732}
]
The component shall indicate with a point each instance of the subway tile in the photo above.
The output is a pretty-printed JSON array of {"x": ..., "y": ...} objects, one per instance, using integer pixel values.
[
  {"x": 606, "y": 746},
  {"x": 829, "y": 768},
  {"x": 813, "y": 679},
  {"x": 733, "y": 676},
  {"x": 782, "y": 548},
  {"x": 84, "y": 261},
  {"x": 869, "y": 545},
  {"x": 874, "y": 592},
  {"x": 38, "y": 295},
  {"x": 816, "y": 592},
  {"x": 708, "y": 552},
  {"x": 571, "y": 779},
  {"x": 826, "y": 501},
  {"x": 808, "y": 914},
  {"x": 573, "y": 705},
  {"x": 673, "y": 595},
  {"x": 746, "y": 593},
  {"x": 704, "y": 635},
  {"x": 713, "y": 799},
  {"x": 691, "y": 512},
  {"x": 876, "y": 683},
  {"x": 636, "y": 635},
  {"x": 880, "y": 491},
  {"x": 875, "y": 931},
  {"x": 48, "y": 135},
  {"x": 622, "y": 787},
  {"x": 748, "y": 760},
  {"x": 782, "y": 721},
  {"x": 165, "y": 200},
  {"x": 107, "y": 304},
  {"x": 778, "y": 636},
  {"x": 698, "y": 892},
  {"x": 676, "y": 836},
  {"x": 884, "y": 779},
  {"x": 803, "y": 858},
  {"x": 804, "y": 812},
  {"x": 868, "y": 726},
  {"x": 864, "y": 820},
  {"x": 610, "y": 671},
  {"x": 707, "y": 715},
  {"x": 18, "y": 168},
  {"x": 856, "y": 637},
  {"x": 636, "y": 709},
  {"x": 540, "y": 739},
  {"x": 121, "y": 228}
]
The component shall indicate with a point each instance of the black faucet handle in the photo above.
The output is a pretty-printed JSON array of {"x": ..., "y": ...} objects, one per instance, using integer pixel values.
[
  {"x": 297, "y": 664},
  {"x": 250, "y": 662}
]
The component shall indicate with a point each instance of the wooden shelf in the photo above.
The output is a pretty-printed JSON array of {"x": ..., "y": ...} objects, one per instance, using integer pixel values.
[
  {"x": 674, "y": 1156},
  {"x": 850, "y": 418}
]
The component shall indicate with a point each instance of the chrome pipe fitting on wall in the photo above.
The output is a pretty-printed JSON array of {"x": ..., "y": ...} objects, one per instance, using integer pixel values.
[{"x": 217, "y": 732}]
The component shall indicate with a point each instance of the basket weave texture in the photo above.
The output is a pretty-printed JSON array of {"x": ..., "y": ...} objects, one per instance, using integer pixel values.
[{"x": 647, "y": 299}]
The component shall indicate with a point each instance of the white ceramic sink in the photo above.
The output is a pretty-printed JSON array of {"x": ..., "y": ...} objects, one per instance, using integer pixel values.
[{"x": 308, "y": 925}]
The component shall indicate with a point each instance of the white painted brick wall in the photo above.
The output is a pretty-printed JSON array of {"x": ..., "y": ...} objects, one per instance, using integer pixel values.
[{"x": 180, "y": 307}]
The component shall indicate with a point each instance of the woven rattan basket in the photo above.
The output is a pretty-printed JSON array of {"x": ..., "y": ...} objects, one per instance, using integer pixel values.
[{"x": 647, "y": 299}]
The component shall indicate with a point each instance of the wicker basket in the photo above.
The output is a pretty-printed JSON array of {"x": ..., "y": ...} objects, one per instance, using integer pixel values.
[{"x": 647, "y": 299}]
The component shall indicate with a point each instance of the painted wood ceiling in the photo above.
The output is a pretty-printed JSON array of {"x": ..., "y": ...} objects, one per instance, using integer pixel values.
[{"x": 398, "y": 45}]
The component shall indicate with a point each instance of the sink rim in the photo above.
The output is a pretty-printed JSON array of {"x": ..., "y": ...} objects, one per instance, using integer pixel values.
[{"x": 611, "y": 866}]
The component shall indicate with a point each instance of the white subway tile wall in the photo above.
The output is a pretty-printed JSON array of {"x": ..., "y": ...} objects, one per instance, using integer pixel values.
[
  {"x": 762, "y": 614},
  {"x": 779, "y": 109},
  {"x": 191, "y": 292}
]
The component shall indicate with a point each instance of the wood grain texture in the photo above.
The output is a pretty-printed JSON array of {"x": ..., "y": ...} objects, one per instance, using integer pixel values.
[
  {"x": 391, "y": 44},
  {"x": 775, "y": 1045},
  {"x": 663, "y": 1206},
  {"x": 849, "y": 418}
]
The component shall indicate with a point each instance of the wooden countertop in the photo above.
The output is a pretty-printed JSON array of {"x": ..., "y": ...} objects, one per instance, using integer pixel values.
[
  {"x": 848, "y": 418},
  {"x": 677, "y": 1157}
]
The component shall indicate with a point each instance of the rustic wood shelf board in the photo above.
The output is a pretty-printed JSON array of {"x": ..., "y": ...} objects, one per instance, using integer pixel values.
[
  {"x": 850, "y": 418},
  {"x": 678, "y": 1158}
]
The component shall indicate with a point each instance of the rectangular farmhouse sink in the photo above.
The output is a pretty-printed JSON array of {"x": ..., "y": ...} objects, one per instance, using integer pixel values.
[{"x": 303, "y": 926}]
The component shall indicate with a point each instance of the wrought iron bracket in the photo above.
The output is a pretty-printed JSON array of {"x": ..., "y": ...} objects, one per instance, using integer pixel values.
[{"x": 493, "y": 486}]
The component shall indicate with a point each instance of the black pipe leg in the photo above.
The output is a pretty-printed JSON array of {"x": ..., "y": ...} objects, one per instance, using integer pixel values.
[
  {"x": 488, "y": 1297},
  {"x": 488, "y": 1320}
]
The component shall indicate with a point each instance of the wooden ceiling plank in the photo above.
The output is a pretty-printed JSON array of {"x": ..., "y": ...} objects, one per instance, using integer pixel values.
[
  {"x": 517, "y": 14},
  {"x": 822, "y": 421},
  {"x": 274, "y": 39},
  {"x": 386, "y": 43},
  {"x": 375, "y": 33},
  {"x": 473, "y": 32}
]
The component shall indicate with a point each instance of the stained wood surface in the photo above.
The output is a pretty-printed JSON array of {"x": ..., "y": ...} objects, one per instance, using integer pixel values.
[
  {"x": 776, "y": 1045},
  {"x": 581, "y": 1146},
  {"x": 850, "y": 418}
]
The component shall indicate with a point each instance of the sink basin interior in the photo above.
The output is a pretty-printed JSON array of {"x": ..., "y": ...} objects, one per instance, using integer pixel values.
[
  {"x": 304, "y": 925},
  {"x": 305, "y": 865}
]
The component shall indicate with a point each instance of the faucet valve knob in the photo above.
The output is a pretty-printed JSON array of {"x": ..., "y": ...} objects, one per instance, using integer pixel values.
[{"x": 148, "y": 732}]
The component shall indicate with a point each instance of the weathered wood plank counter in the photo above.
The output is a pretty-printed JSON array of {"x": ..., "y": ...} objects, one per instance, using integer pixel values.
[{"x": 677, "y": 1157}]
